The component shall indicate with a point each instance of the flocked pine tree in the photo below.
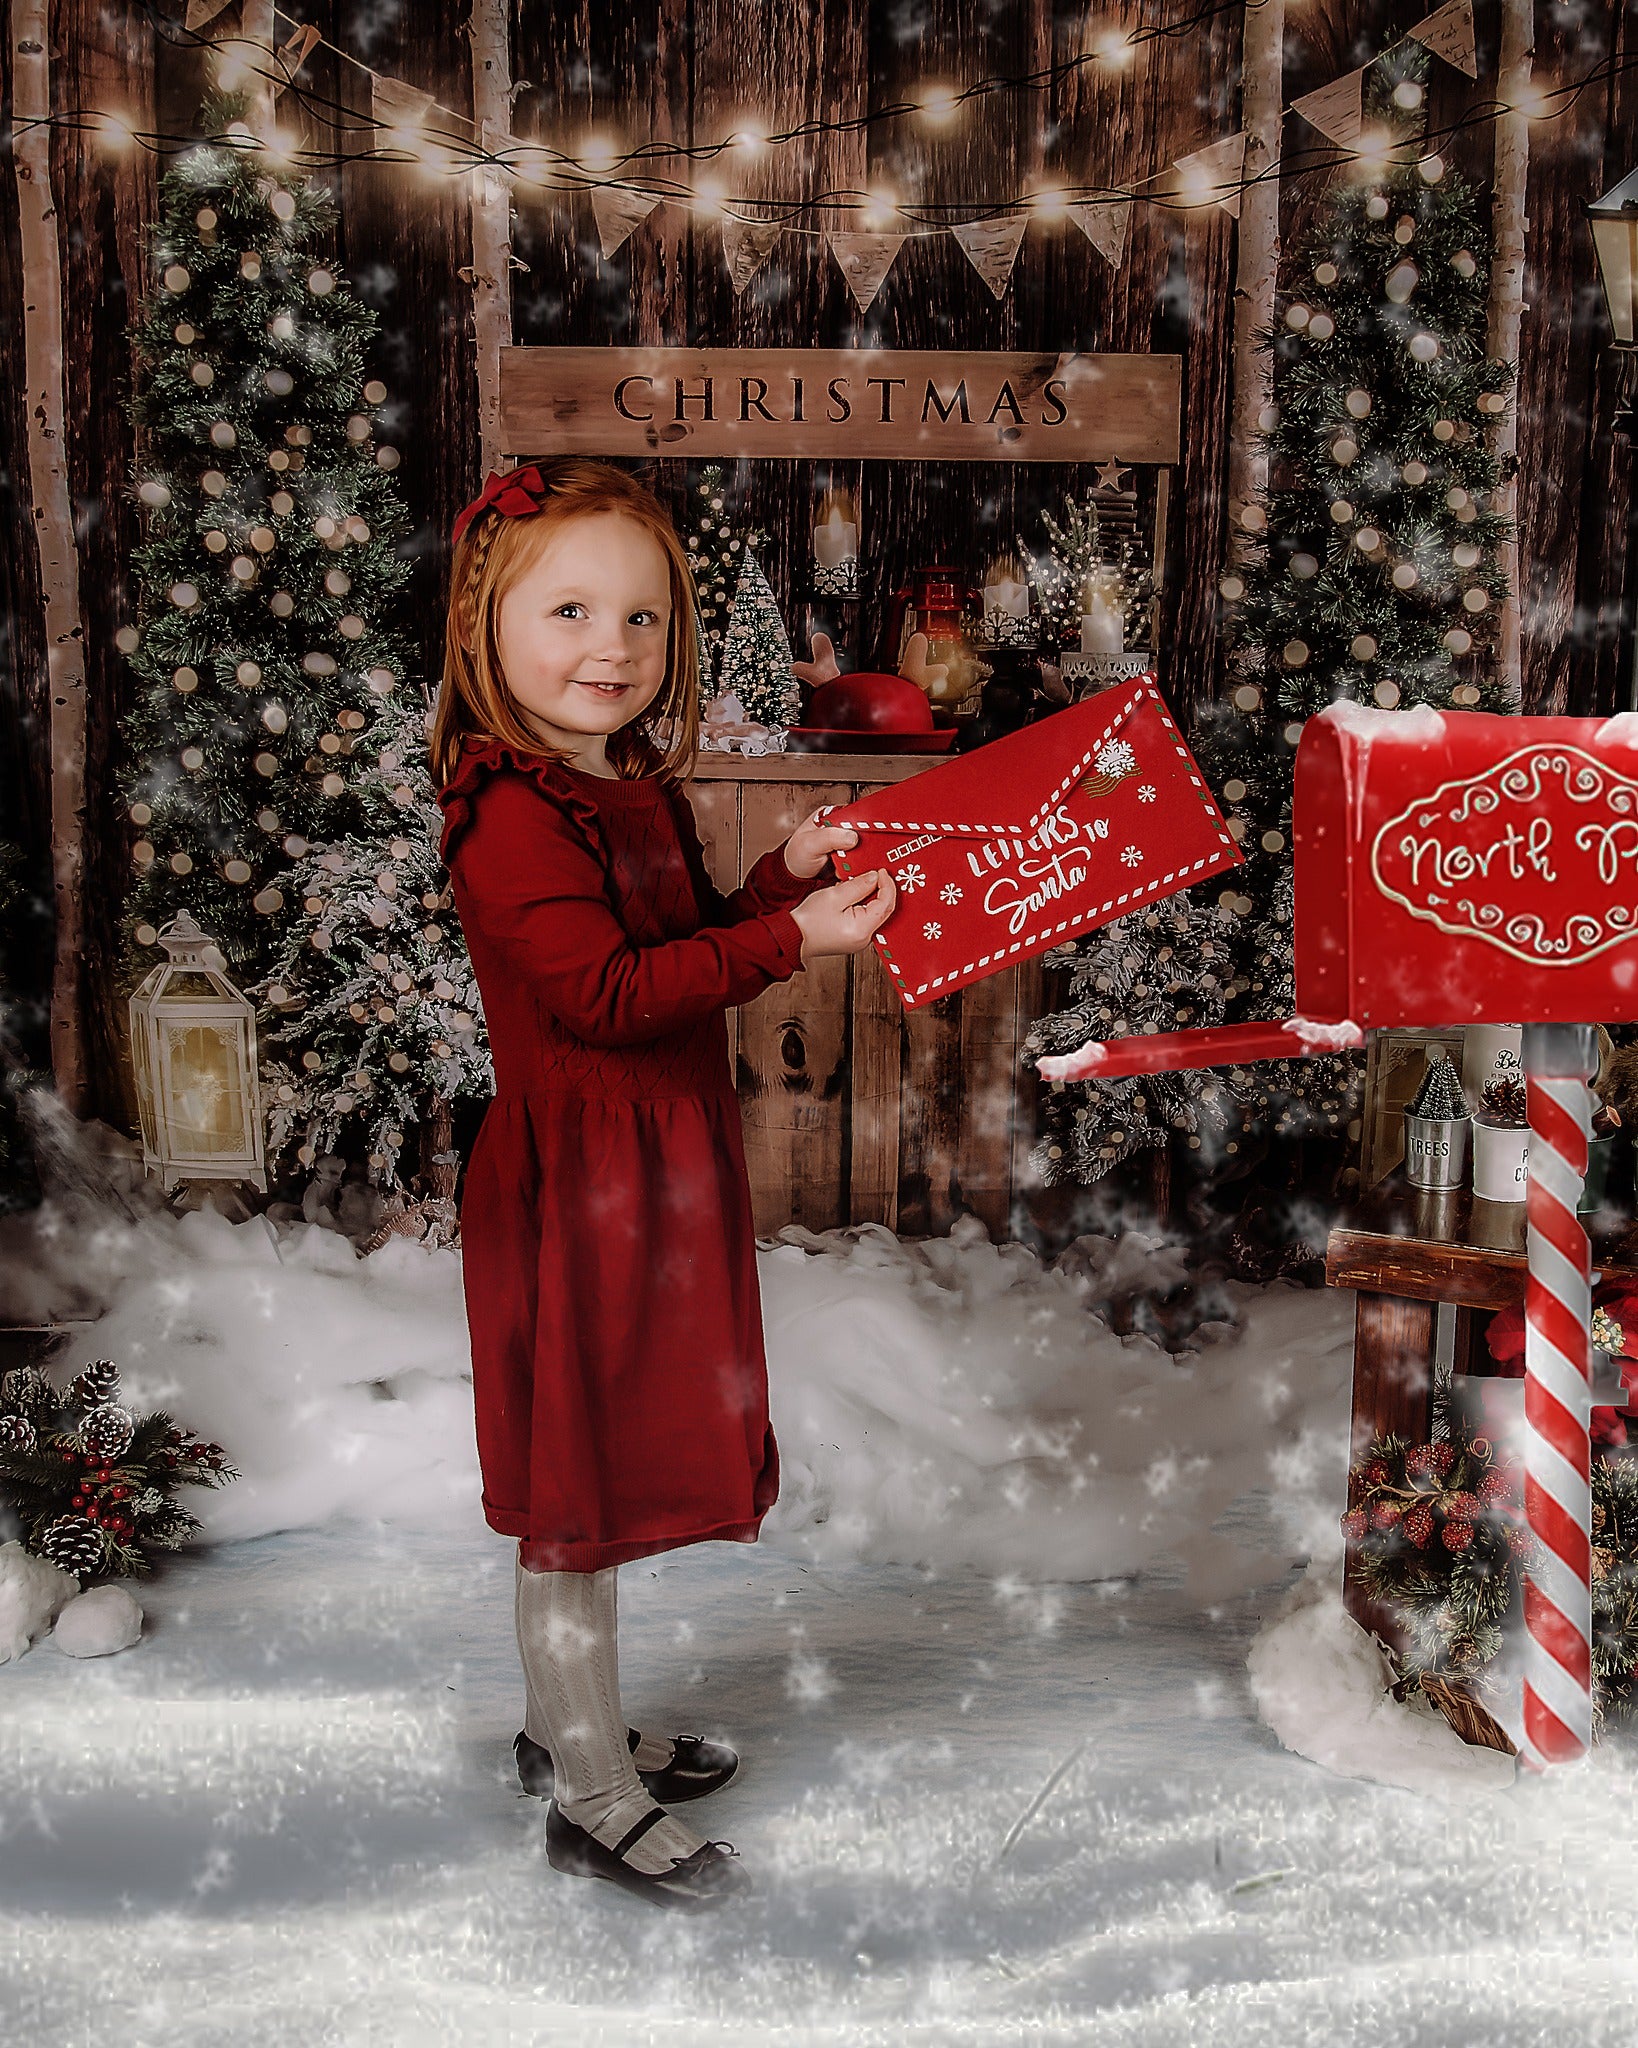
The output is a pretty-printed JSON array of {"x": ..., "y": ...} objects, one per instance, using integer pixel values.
[
  {"x": 756, "y": 654},
  {"x": 1372, "y": 575},
  {"x": 275, "y": 732}
]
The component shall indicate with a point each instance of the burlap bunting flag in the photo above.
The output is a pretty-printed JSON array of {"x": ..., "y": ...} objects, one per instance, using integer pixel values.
[
  {"x": 747, "y": 245},
  {"x": 1448, "y": 33},
  {"x": 1214, "y": 173},
  {"x": 1105, "y": 223},
  {"x": 617, "y": 213},
  {"x": 397, "y": 105},
  {"x": 991, "y": 247},
  {"x": 865, "y": 260},
  {"x": 1337, "y": 110}
]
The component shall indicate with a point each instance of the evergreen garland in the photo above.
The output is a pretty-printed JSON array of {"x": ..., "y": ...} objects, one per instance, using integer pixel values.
[{"x": 91, "y": 1483}]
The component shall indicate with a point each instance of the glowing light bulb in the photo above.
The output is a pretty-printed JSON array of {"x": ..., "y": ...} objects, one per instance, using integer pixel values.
[
  {"x": 598, "y": 155},
  {"x": 749, "y": 138},
  {"x": 1049, "y": 204},
  {"x": 116, "y": 131},
  {"x": 880, "y": 208},
  {"x": 709, "y": 198},
  {"x": 939, "y": 104},
  {"x": 1112, "y": 47}
]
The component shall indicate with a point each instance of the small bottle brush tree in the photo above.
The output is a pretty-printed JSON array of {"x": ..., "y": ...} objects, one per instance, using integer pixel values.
[
  {"x": 756, "y": 654},
  {"x": 274, "y": 730}
]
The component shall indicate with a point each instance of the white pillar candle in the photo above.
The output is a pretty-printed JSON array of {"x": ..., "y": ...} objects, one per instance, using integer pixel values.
[{"x": 835, "y": 540}]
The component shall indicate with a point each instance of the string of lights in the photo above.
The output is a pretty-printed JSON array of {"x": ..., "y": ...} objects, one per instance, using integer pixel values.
[{"x": 538, "y": 166}]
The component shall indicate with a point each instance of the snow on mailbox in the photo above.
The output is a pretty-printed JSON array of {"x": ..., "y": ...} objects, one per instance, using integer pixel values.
[{"x": 1454, "y": 867}]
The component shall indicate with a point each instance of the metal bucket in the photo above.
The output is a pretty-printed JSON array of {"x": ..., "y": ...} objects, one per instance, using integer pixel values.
[{"x": 1435, "y": 1150}]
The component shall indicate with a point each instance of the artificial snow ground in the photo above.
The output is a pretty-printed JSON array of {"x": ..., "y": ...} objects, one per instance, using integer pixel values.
[{"x": 1005, "y": 1775}]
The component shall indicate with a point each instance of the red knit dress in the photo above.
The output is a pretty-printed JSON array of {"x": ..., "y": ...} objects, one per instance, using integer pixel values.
[{"x": 608, "y": 1251}]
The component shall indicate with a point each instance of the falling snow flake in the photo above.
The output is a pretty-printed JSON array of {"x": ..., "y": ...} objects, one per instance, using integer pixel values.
[
  {"x": 911, "y": 878},
  {"x": 1131, "y": 856},
  {"x": 1146, "y": 793},
  {"x": 1117, "y": 758},
  {"x": 950, "y": 893},
  {"x": 932, "y": 931}
]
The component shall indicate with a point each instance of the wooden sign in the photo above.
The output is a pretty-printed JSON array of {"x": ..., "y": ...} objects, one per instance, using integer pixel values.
[{"x": 877, "y": 404}]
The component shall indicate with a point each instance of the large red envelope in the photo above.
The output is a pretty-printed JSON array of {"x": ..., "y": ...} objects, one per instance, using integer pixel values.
[{"x": 1035, "y": 838}]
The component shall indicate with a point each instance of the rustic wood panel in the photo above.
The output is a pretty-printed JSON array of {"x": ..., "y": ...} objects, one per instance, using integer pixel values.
[
  {"x": 104, "y": 58},
  {"x": 792, "y": 1057},
  {"x": 876, "y": 1091},
  {"x": 990, "y": 1035},
  {"x": 405, "y": 237}
]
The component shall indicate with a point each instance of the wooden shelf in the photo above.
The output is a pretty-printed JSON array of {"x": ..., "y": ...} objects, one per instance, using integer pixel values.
[{"x": 716, "y": 767}]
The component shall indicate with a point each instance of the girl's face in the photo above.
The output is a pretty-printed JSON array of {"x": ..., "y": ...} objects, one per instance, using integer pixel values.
[{"x": 582, "y": 634}]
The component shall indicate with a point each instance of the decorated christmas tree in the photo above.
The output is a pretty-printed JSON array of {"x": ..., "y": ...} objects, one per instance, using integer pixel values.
[
  {"x": 269, "y": 671},
  {"x": 275, "y": 735},
  {"x": 755, "y": 665},
  {"x": 1371, "y": 574}
]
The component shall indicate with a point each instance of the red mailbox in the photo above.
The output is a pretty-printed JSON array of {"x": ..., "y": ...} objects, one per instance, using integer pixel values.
[{"x": 1454, "y": 868}]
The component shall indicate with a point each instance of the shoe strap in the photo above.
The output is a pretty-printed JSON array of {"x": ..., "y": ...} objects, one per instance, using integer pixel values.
[{"x": 633, "y": 1835}]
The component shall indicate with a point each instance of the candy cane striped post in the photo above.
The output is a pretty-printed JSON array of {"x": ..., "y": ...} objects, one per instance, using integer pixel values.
[{"x": 1559, "y": 1060}]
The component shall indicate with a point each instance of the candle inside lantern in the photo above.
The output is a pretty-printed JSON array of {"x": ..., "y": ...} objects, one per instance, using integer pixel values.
[
  {"x": 836, "y": 532},
  {"x": 1005, "y": 588},
  {"x": 1103, "y": 628}
]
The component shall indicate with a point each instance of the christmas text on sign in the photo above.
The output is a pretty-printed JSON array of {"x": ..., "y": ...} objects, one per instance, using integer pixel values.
[{"x": 840, "y": 403}]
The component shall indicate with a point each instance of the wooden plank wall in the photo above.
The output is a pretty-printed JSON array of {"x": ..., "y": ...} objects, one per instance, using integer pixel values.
[{"x": 683, "y": 69}]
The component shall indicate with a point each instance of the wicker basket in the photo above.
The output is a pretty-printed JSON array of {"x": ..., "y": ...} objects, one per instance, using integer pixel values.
[{"x": 1466, "y": 1716}]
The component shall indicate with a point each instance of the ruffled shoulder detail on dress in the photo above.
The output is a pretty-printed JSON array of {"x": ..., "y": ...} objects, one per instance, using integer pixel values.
[{"x": 481, "y": 759}]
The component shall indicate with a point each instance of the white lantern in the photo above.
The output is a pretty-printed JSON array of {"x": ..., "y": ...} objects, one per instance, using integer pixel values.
[{"x": 193, "y": 1043}]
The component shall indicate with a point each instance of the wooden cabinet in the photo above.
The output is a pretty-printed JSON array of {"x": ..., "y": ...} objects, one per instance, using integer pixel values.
[{"x": 855, "y": 1111}]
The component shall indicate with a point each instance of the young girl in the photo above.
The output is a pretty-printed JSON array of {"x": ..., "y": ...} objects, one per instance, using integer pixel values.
[{"x": 609, "y": 1261}]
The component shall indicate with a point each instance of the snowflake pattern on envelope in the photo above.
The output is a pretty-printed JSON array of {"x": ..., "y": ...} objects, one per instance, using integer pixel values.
[{"x": 1035, "y": 838}]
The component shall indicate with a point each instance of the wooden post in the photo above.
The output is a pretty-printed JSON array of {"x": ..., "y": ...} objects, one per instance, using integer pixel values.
[
  {"x": 491, "y": 217},
  {"x": 256, "y": 33},
  {"x": 1257, "y": 256},
  {"x": 1508, "y": 225},
  {"x": 54, "y": 534}
]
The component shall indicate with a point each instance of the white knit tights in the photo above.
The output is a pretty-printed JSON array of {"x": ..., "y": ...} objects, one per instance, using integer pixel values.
[{"x": 567, "y": 1636}]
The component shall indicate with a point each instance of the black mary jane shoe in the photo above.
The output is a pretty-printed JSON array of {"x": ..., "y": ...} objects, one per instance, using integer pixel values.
[
  {"x": 707, "y": 1878},
  {"x": 696, "y": 1768}
]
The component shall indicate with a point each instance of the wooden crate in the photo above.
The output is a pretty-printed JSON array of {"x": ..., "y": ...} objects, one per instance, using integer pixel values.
[{"x": 856, "y": 1111}]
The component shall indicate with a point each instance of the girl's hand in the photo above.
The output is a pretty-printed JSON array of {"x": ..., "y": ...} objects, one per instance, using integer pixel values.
[
  {"x": 811, "y": 845},
  {"x": 845, "y": 917}
]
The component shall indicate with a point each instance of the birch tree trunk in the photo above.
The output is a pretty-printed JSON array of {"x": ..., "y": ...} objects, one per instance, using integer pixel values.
[
  {"x": 491, "y": 217},
  {"x": 256, "y": 30},
  {"x": 53, "y": 512},
  {"x": 1257, "y": 255},
  {"x": 1508, "y": 225}
]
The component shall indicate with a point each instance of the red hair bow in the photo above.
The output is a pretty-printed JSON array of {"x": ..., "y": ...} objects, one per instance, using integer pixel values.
[{"x": 514, "y": 493}]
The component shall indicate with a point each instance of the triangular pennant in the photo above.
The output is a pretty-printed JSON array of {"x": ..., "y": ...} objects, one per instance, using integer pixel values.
[
  {"x": 747, "y": 244},
  {"x": 865, "y": 260},
  {"x": 617, "y": 213},
  {"x": 1448, "y": 33},
  {"x": 991, "y": 247},
  {"x": 1105, "y": 222},
  {"x": 291, "y": 56},
  {"x": 202, "y": 11},
  {"x": 1337, "y": 110},
  {"x": 397, "y": 105},
  {"x": 1213, "y": 173}
]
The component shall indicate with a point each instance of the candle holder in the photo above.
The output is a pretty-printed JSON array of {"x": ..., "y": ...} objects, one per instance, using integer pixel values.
[
  {"x": 1005, "y": 620},
  {"x": 836, "y": 546}
]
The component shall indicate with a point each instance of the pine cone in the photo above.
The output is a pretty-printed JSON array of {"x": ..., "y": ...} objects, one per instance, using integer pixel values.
[
  {"x": 97, "y": 1384},
  {"x": 1505, "y": 1101},
  {"x": 26, "y": 1392},
  {"x": 1418, "y": 1525},
  {"x": 106, "y": 1433},
  {"x": 17, "y": 1433},
  {"x": 72, "y": 1544}
]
